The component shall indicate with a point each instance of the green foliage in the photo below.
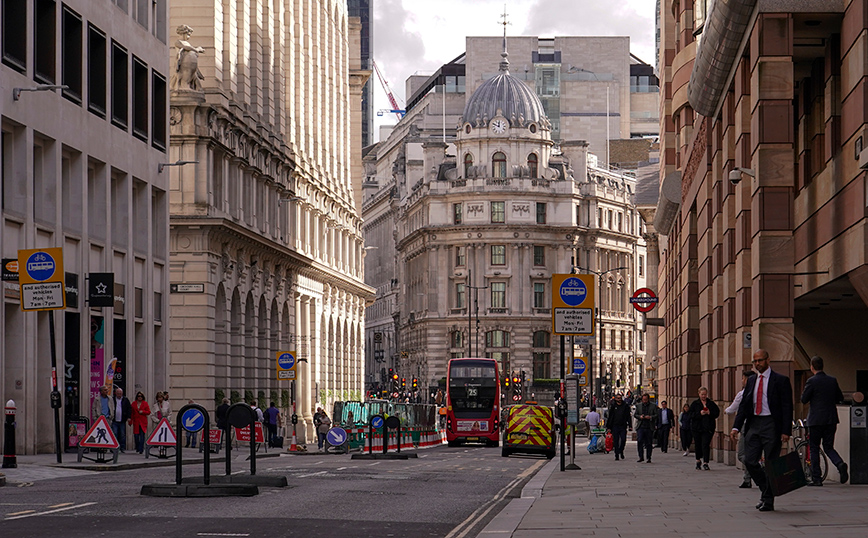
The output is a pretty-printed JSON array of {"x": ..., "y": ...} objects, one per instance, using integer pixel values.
[
  {"x": 234, "y": 396},
  {"x": 284, "y": 398},
  {"x": 218, "y": 396},
  {"x": 260, "y": 398},
  {"x": 248, "y": 396}
]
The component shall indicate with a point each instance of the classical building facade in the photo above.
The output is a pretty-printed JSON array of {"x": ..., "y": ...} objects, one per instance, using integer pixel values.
[
  {"x": 761, "y": 212},
  {"x": 264, "y": 221},
  {"x": 480, "y": 221},
  {"x": 80, "y": 172}
]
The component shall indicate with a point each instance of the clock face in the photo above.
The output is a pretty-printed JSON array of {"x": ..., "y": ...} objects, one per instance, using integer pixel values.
[{"x": 498, "y": 126}]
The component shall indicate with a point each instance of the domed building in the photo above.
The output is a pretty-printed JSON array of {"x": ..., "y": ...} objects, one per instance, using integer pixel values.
[{"x": 476, "y": 223}]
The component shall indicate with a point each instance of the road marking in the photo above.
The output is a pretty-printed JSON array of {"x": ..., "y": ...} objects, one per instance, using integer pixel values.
[
  {"x": 311, "y": 474},
  {"x": 21, "y": 512},
  {"x": 51, "y": 511},
  {"x": 59, "y": 505},
  {"x": 221, "y": 534},
  {"x": 465, "y": 526},
  {"x": 375, "y": 463}
]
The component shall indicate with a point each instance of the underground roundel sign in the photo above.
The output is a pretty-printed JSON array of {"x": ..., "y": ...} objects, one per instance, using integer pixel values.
[{"x": 643, "y": 300}]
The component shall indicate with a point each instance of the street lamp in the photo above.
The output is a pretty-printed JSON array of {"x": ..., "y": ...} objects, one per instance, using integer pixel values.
[
  {"x": 470, "y": 314},
  {"x": 599, "y": 322}
]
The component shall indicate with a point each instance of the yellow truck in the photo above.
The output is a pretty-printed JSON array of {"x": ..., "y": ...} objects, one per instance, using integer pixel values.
[{"x": 529, "y": 429}]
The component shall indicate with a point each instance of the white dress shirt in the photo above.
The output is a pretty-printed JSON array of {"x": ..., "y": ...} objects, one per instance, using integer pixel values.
[{"x": 733, "y": 409}]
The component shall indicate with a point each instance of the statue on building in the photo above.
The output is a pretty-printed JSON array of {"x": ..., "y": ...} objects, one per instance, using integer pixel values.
[{"x": 187, "y": 76}]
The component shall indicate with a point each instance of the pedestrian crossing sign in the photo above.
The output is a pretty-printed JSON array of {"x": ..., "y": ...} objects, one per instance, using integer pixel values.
[
  {"x": 99, "y": 436},
  {"x": 163, "y": 435}
]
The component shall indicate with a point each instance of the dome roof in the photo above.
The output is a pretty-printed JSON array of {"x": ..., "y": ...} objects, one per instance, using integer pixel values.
[{"x": 506, "y": 93}]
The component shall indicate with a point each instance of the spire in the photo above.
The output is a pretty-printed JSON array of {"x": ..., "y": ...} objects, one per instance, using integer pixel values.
[{"x": 504, "y": 62}]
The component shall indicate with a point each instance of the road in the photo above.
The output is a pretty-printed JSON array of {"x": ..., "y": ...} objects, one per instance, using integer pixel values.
[{"x": 450, "y": 492}]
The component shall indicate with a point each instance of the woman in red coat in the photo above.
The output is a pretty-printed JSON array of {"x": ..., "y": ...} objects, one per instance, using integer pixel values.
[{"x": 139, "y": 421}]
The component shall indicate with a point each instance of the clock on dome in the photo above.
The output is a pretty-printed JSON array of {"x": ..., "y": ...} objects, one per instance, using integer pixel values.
[{"x": 498, "y": 126}]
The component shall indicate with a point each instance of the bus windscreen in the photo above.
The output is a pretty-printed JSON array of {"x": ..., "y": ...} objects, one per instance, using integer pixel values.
[{"x": 472, "y": 389}]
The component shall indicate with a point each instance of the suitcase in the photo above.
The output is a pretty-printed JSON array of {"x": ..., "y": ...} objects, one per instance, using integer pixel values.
[{"x": 278, "y": 442}]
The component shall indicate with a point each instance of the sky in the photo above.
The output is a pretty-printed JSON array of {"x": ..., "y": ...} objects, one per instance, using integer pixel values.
[{"x": 418, "y": 36}]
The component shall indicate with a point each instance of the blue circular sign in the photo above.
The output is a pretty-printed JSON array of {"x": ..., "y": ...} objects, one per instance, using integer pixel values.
[
  {"x": 286, "y": 361},
  {"x": 377, "y": 422},
  {"x": 336, "y": 436},
  {"x": 573, "y": 291},
  {"x": 40, "y": 266},
  {"x": 578, "y": 366},
  {"x": 192, "y": 420}
]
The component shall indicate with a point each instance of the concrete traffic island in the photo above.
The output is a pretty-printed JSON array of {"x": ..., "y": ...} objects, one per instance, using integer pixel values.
[
  {"x": 256, "y": 480},
  {"x": 385, "y": 456},
  {"x": 200, "y": 490}
]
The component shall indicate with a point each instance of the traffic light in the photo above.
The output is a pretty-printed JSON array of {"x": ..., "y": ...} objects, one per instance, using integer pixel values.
[
  {"x": 415, "y": 383},
  {"x": 403, "y": 382},
  {"x": 506, "y": 382},
  {"x": 516, "y": 387}
]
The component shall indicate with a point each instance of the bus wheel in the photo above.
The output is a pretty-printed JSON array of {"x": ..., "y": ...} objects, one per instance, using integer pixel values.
[
  {"x": 495, "y": 444},
  {"x": 550, "y": 454},
  {"x": 505, "y": 452},
  {"x": 452, "y": 443}
]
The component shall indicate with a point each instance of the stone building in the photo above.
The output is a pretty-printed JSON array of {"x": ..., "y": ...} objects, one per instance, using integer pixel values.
[
  {"x": 264, "y": 221},
  {"x": 480, "y": 219},
  {"x": 761, "y": 212},
  {"x": 80, "y": 172}
]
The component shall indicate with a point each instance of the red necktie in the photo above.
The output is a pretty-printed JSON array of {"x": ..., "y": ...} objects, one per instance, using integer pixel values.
[{"x": 759, "y": 397}]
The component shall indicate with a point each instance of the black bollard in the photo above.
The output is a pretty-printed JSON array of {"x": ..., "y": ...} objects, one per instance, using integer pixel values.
[{"x": 10, "y": 461}]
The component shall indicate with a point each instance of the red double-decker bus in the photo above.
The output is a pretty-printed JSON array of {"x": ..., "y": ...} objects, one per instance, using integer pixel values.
[{"x": 472, "y": 401}]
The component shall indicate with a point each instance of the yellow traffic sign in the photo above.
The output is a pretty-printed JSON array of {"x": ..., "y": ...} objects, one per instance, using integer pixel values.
[
  {"x": 40, "y": 273},
  {"x": 573, "y": 304},
  {"x": 286, "y": 363}
]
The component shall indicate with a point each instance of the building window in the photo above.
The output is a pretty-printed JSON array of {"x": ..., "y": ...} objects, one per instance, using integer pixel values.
[
  {"x": 609, "y": 214},
  {"x": 539, "y": 295},
  {"x": 44, "y": 44},
  {"x": 15, "y": 34},
  {"x": 140, "y": 99},
  {"x": 159, "y": 110},
  {"x": 498, "y": 212},
  {"x": 498, "y": 165},
  {"x": 620, "y": 222},
  {"x": 533, "y": 164},
  {"x": 457, "y": 339},
  {"x": 460, "y": 256},
  {"x": 541, "y": 339},
  {"x": 468, "y": 164},
  {"x": 120, "y": 85},
  {"x": 539, "y": 255},
  {"x": 599, "y": 218},
  {"x": 96, "y": 71},
  {"x": 459, "y": 295},
  {"x": 641, "y": 265},
  {"x": 498, "y": 254},
  {"x": 456, "y": 213},
  {"x": 71, "y": 54},
  {"x": 623, "y": 343},
  {"x": 542, "y": 365},
  {"x": 612, "y": 342},
  {"x": 498, "y": 295},
  {"x": 496, "y": 339},
  {"x": 540, "y": 212},
  {"x": 641, "y": 342}
]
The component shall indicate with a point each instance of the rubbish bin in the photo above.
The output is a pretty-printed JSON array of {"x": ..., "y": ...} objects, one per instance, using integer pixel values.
[{"x": 859, "y": 440}]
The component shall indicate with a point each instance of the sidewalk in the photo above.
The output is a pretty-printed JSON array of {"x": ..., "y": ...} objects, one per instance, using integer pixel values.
[
  {"x": 669, "y": 497},
  {"x": 45, "y": 467}
]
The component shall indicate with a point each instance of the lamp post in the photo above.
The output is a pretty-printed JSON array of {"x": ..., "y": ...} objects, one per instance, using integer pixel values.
[
  {"x": 470, "y": 314},
  {"x": 599, "y": 323}
]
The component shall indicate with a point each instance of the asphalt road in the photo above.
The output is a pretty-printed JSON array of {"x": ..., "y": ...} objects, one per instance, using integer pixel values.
[{"x": 446, "y": 492}]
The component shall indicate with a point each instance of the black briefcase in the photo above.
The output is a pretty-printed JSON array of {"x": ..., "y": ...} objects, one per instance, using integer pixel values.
[
  {"x": 278, "y": 442},
  {"x": 785, "y": 474}
]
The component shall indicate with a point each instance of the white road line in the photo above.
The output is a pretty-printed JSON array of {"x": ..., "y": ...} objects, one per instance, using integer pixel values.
[
  {"x": 221, "y": 534},
  {"x": 51, "y": 511},
  {"x": 19, "y": 513},
  {"x": 311, "y": 474},
  {"x": 375, "y": 463},
  {"x": 59, "y": 505},
  {"x": 464, "y": 527}
]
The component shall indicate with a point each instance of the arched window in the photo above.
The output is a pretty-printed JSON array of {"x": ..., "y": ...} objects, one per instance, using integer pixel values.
[
  {"x": 468, "y": 164},
  {"x": 533, "y": 164},
  {"x": 541, "y": 339},
  {"x": 498, "y": 165}
]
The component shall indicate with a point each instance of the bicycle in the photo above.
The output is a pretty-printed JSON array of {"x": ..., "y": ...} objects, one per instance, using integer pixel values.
[{"x": 804, "y": 451}]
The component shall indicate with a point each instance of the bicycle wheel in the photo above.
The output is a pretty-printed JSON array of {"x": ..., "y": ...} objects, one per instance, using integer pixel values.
[
  {"x": 824, "y": 466},
  {"x": 804, "y": 452}
]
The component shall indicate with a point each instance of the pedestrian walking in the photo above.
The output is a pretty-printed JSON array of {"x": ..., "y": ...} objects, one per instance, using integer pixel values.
[
  {"x": 767, "y": 411},
  {"x": 102, "y": 405},
  {"x": 664, "y": 425},
  {"x": 684, "y": 425},
  {"x": 823, "y": 394},
  {"x": 123, "y": 412},
  {"x": 321, "y": 430},
  {"x": 190, "y": 437},
  {"x": 221, "y": 414},
  {"x": 703, "y": 417},
  {"x": 161, "y": 409},
  {"x": 646, "y": 416},
  {"x": 731, "y": 410},
  {"x": 593, "y": 419},
  {"x": 272, "y": 417},
  {"x": 617, "y": 423},
  {"x": 139, "y": 421}
]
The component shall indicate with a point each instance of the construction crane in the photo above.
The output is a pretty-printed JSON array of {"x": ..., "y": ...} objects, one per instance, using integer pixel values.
[{"x": 398, "y": 111}]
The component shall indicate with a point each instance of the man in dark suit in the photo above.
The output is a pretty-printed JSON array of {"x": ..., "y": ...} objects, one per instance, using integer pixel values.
[
  {"x": 766, "y": 412},
  {"x": 823, "y": 393},
  {"x": 664, "y": 424}
]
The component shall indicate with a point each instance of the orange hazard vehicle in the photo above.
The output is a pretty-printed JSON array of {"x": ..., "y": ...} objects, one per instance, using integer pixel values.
[{"x": 530, "y": 429}]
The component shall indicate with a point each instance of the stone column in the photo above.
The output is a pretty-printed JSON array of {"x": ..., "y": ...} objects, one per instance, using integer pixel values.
[{"x": 771, "y": 189}]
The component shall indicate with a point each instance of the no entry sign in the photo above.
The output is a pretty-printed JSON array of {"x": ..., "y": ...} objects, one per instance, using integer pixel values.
[{"x": 643, "y": 300}]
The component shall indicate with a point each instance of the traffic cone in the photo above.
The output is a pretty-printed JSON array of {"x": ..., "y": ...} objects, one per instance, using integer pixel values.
[{"x": 293, "y": 445}]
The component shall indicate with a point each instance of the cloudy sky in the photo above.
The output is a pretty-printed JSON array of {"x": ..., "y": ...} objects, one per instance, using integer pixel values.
[{"x": 418, "y": 36}]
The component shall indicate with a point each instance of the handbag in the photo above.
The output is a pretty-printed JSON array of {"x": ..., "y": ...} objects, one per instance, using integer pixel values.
[{"x": 785, "y": 473}]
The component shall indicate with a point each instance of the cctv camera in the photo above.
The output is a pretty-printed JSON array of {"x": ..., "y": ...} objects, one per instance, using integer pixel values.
[{"x": 735, "y": 176}]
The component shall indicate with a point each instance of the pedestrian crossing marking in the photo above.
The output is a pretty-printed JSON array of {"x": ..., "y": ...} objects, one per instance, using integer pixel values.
[
  {"x": 99, "y": 435},
  {"x": 163, "y": 435}
]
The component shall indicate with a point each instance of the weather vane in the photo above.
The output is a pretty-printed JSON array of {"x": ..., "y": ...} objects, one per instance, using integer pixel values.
[{"x": 505, "y": 21}]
